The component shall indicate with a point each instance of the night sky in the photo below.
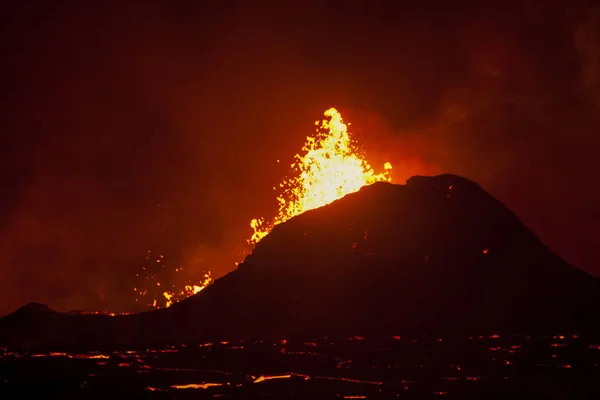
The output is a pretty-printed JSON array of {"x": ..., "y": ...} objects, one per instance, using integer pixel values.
[{"x": 132, "y": 125}]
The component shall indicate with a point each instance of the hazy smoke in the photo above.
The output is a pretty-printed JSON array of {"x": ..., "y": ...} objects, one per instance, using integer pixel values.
[{"x": 127, "y": 127}]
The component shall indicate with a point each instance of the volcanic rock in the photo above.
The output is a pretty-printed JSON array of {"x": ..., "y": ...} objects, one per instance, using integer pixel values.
[{"x": 438, "y": 255}]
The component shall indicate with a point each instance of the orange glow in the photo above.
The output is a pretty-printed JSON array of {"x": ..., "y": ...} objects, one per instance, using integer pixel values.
[
  {"x": 187, "y": 291},
  {"x": 157, "y": 294},
  {"x": 263, "y": 378},
  {"x": 330, "y": 168},
  {"x": 110, "y": 314},
  {"x": 196, "y": 385}
]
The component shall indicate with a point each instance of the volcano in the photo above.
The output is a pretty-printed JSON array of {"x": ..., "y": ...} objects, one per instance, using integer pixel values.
[{"x": 438, "y": 255}]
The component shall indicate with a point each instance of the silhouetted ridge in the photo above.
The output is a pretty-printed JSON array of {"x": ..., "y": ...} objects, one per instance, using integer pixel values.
[
  {"x": 437, "y": 255},
  {"x": 34, "y": 309}
]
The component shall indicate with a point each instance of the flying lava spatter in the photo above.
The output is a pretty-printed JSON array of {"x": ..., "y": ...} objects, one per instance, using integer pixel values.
[
  {"x": 158, "y": 287},
  {"x": 330, "y": 168}
]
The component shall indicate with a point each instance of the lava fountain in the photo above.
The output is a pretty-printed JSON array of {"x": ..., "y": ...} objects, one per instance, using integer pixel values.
[{"x": 330, "y": 168}]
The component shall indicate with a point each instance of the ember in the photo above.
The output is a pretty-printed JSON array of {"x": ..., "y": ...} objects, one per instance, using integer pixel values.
[
  {"x": 188, "y": 290},
  {"x": 179, "y": 286}
]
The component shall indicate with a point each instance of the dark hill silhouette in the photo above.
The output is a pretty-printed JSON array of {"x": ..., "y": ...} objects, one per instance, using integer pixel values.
[{"x": 438, "y": 255}]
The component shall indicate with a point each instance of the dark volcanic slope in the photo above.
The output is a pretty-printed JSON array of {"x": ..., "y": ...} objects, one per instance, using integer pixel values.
[{"x": 438, "y": 254}]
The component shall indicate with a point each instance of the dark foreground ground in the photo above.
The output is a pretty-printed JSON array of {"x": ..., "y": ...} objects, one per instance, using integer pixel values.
[{"x": 491, "y": 367}]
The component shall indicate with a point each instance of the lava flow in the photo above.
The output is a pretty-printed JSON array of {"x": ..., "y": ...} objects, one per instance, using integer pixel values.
[{"x": 330, "y": 168}]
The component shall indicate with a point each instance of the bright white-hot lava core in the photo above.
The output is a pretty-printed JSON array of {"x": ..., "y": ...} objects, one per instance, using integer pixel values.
[{"x": 330, "y": 167}]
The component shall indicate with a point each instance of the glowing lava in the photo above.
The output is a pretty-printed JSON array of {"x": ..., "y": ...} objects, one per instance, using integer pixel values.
[
  {"x": 159, "y": 288},
  {"x": 187, "y": 291},
  {"x": 330, "y": 168}
]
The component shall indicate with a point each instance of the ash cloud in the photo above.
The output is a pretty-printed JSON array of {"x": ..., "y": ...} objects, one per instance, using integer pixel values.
[{"x": 131, "y": 126}]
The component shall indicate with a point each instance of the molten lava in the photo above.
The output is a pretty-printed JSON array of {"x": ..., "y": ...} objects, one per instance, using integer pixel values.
[
  {"x": 160, "y": 288},
  {"x": 187, "y": 291},
  {"x": 330, "y": 169}
]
